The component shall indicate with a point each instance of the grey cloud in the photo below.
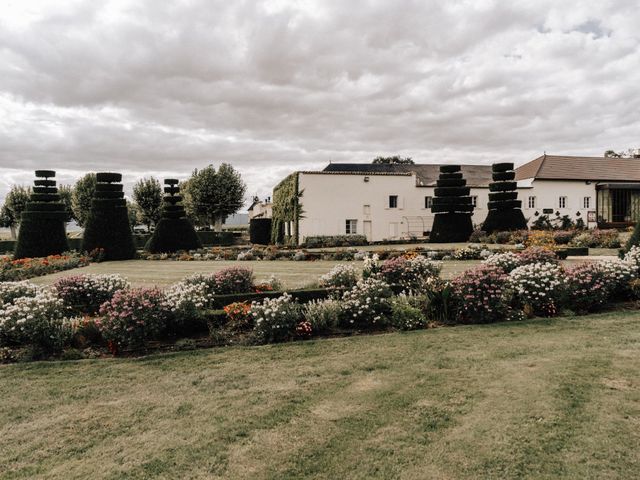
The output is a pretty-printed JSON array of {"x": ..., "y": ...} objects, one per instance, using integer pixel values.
[{"x": 271, "y": 87}]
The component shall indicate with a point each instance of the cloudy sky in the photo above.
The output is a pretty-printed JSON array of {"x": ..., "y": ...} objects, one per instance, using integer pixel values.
[{"x": 163, "y": 87}]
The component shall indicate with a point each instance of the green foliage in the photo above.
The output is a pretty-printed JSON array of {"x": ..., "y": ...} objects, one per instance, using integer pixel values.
[
  {"x": 286, "y": 211},
  {"x": 634, "y": 239},
  {"x": 14, "y": 204},
  {"x": 108, "y": 225},
  {"x": 453, "y": 208},
  {"x": 214, "y": 195},
  {"x": 395, "y": 160},
  {"x": 174, "y": 232},
  {"x": 505, "y": 212},
  {"x": 147, "y": 194},
  {"x": 42, "y": 223},
  {"x": 81, "y": 198},
  {"x": 66, "y": 197}
]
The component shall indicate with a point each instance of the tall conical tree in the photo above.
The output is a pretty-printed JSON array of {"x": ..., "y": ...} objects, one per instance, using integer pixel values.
[
  {"x": 452, "y": 207},
  {"x": 42, "y": 224},
  {"x": 108, "y": 222},
  {"x": 505, "y": 212},
  {"x": 174, "y": 231}
]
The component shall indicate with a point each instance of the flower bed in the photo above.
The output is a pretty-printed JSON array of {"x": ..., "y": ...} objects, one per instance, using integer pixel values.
[
  {"x": 25, "y": 268},
  {"x": 402, "y": 293}
]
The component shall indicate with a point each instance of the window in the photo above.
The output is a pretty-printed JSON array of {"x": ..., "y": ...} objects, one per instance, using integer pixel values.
[
  {"x": 532, "y": 202},
  {"x": 474, "y": 200},
  {"x": 366, "y": 209},
  {"x": 586, "y": 203},
  {"x": 562, "y": 202},
  {"x": 428, "y": 201},
  {"x": 393, "y": 201},
  {"x": 351, "y": 227}
]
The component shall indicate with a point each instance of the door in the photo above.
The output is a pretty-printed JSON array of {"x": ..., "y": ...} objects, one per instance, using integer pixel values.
[
  {"x": 393, "y": 230},
  {"x": 366, "y": 226}
]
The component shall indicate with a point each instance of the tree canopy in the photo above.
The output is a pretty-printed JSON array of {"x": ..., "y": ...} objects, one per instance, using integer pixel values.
[
  {"x": 81, "y": 198},
  {"x": 395, "y": 160},
  {"x": 213, "y": 195},
  {"x": 14, "y": 204},
  {"x": 147, "y": 194}
]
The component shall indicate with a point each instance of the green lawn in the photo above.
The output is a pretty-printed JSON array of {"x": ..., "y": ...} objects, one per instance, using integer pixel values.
[
  {"x": 539, "y": 399},
  {"x": 159, "y": 272}
]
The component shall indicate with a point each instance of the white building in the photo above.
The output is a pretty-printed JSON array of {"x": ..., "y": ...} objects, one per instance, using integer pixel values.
[
  {"x": 603, "y": 191},
  {"x": 392, "y": 202}
]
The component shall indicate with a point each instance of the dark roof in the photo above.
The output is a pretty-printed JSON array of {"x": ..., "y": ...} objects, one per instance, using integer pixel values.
[
  {"x": 427, "y": 174},
  {"x": 563, "y": 167}
]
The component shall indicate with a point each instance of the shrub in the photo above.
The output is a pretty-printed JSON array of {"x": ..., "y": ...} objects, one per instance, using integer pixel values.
[
  {"x": 39, "y": 321},
  {"x": 85, "y": 293},
  {"x": 587, "y": 287},
  {"x": 467, "y": 253},
  {"x": 275, "y": 319},
  {"x": 323, "y": 315},
  {"x": 42, "y": 223},
  {"x": 10, "y": 291},
  {"x": 478, "y": 294},
  {"x": 478, "y": 236},
  {"x": 633, "y": 257},
  {"x": 538, "y": 288},
  {"x": 24, "y": 268},
  {"x": 537, "y": 255},
  {"x": 340, "y": 277},
  {"x": 540, "y": 238},
  {"x": 366, "y": 304},
  {"x": 619, "y": 274},
  {"x": 406, "y": 315},
  {"x": 320, "y": 241},
  {"x": 107, "y": 224},
  {"x": 272, "y": 284},
  {"x": 504, "y": 208},
  {"x": 562, "y": 237},
  {"x": 503, "y": 237},
  {"x": 597, "y": 238},
  {"x": 634, "y": 239},
  {"x": 406, "y": 272},
  {"x": 507, "y": 261},
  {"x": 438, "y": 296},
  {"x": 133, "y": 317},
  {"x": 226, "y": 281},
  {"x": 186, "y": 300},
  {"x": 238, "y": 315}
]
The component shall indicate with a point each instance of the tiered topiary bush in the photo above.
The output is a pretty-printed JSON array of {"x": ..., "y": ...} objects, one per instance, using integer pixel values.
[
  {"x": 260, "y": 231},
  {"x": 42, "y": 224},
  {"x": 108, "y": 226},
  {"x": 452, "y": 207},
  {"x": 504, "y": 207},
  {"x": 174, "y": 231}
]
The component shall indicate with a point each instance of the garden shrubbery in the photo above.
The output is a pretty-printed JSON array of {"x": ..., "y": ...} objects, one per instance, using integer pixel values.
[{"x": 506, "y": 286}]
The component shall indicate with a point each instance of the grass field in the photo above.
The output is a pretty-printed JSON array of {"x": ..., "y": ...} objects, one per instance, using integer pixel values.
[
  {"x": 538, "y": 399},
  {"x": 159, "y": 272}
]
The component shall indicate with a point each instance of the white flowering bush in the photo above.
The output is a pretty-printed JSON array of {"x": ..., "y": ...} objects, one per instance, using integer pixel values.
[
  {"x": 10, "y": 291},
  {"x": 507, "y": 261},
  {"x": 366, "y": 304},
  {"x": 275, "y": 319},
  {"x": 618, "y": 276},
  {"x": 632, "y": 257},
  {"x": 342, "y": 276},
  {"x": 84, "y": 294},
  {"x": 185, "y": 300},
  {"x": 323, "y": 315},
  {"x": 538, "y": 287},
  {"x": 370, "y": 265},
  {"x": 39, "y": 321}
]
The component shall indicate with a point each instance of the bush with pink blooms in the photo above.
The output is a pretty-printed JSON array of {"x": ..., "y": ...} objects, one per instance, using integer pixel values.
[
  {"x": 84, "y": 294},
  {"x": 537, "y": 255},
  {"x": 133, "y": 317},
  {"x": 587, "y": 287},
  {"x": 479, "y": 295},
  {"x": 226, "y": 281}
]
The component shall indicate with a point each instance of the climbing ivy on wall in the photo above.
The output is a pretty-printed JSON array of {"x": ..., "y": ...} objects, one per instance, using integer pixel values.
[{"x": 286, "y": 210}]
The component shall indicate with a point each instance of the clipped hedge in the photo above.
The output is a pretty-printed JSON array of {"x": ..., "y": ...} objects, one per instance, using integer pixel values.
[
  {"x": 452, "y": 207},
  {"x": 321, "y": 241},
  {"x": 42, "y": 223},
  {"x": 302, "y": 296},
  {"x": 174, "y": 231},
  {"x": 107, "y": 225},
  {"x": 505, "y": 212},
  {"x": 260, "y": 231}
]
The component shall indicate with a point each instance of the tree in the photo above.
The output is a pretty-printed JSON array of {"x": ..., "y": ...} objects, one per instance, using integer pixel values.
[
  {"x": 134, "y": 214},
  {"x": 395, "y": 160},
  {"x": 147, "y": 194},
  {"x": 81, "y": 198},
  {"x": 14, "y": 204},
  {"x": 66, "y": 197},
  {"x": 214, "y": 195}
]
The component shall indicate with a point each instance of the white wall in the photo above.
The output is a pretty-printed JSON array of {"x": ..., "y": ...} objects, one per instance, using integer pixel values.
[
  {"x": 328, "y": 200},
  {"x": 548, "y": 193}
]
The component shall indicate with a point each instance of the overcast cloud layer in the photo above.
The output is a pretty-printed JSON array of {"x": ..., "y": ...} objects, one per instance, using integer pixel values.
[{"x": 161, "y": 88}]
